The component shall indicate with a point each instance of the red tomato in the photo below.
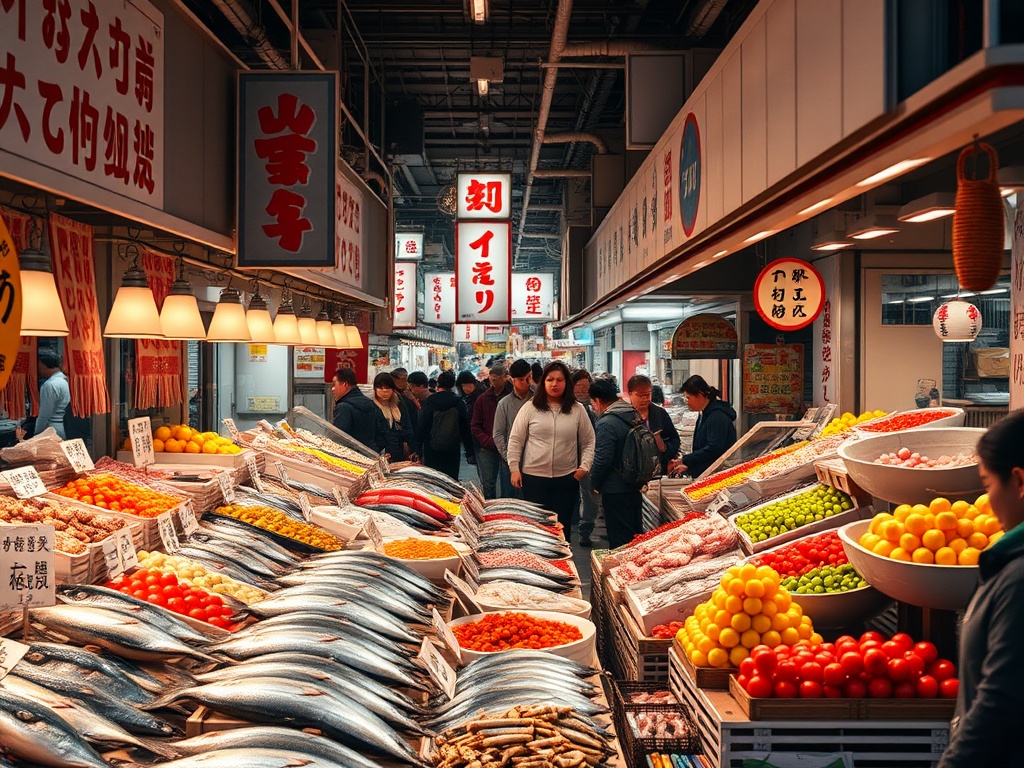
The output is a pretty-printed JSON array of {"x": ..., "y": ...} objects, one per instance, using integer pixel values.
[
  {"x": 810, "y": 689},
  {"x": 156, "y": 598},
  {"x": 812, "y": 671},
  {"x": 784, "y": 689},
  {"x": 787, "y": 671},
  {"x": 172, "y": 591},
  {"x": 833, "y": 674},
  {"x": 880, "y": 688},
  {"x": 847, "y": 646},
  {"x": 832, "y": 691},
  {"x": 949, "y": 688},
  {"x": 927, "y": 687},
  {"x": 190, "y": 601},
  {"x": 766, "y": 663},
  {"x": 904, "y": 690},
  {"x": 741, "y": 680},
  {"x": 855, "y": 688},
  {"x": 902, "y": 638},
  {"x": 175, "y": 604},
  {"x": 747, "y": 668},
  {"x": 898, "y": 670},
  {"x": 168, "y": 580},
  {"x": 869, "y": 644},
  {"x": 219, "y": 621},
  {"x": 845, "y": 639},
  {"x": 871, "y": 635},
  {"x": 942, "y": 670},
  {"x": 852, "y": 663},
  {"x": 824, "y": 658},
  {"x": 197, "y": 613},
  {"x": 139, "y": 593},
  {"x": 152, "y": 579},
  {"x": 926, "y": 651},
  {"x": 759, "y": 687},
  {"x": 916, "y": 664},
  {"x": 875, "y": 662},
  {"x": 893, "y": 649}
]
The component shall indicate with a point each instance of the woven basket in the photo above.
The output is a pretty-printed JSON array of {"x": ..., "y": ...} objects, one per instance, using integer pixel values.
[{"x": 978, "y": 223}]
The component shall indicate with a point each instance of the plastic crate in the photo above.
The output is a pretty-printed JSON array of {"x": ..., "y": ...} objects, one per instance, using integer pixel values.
[
  {"x": 636, "y": 657},
  {"x": 635, "y": 748},
  {"x": 624, "y": 690}
]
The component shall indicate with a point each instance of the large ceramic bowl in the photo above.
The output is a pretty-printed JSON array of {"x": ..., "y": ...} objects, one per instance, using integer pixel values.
[
  {"x": 582, "y": 650},
  {"x": 954, "y": 419},
  {"x": 903, "y": 485},
  {"x": 430, "y": 568},
  {"x": 837, "y": 610},
  {"x": 946, "y": 587}
]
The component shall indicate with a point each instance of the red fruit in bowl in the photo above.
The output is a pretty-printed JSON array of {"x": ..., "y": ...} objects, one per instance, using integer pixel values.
[
  {"x": 880, "y": 688},
  {"x": 949, "y": 688}
]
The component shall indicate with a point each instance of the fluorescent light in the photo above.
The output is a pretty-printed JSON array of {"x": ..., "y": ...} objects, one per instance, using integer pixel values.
[
  {"x": 920, "y": 299},
  {"x": 893, "y": 171},
  {"x": 481, "y": 87},
  {"x": 818, "y": 206},
  {"x": 898, "y": 301},
  {"x": 872, "y": 226},
  {"x": 720, "y": 254},
  {"x": 479, "y": 10},
  {"x": 832, "y": 240},
  {"x": 957, "y": 295},
  {"x": 937, "y": 205},
  {"x": 993, "y": 290},
  {"x": 760, "y": 236}
]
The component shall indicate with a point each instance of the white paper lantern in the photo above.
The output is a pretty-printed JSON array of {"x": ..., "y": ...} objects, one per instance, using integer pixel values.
[{"x": 957, "y": 320}]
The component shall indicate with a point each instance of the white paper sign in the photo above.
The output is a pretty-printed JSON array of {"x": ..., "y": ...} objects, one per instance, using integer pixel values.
[
  {"x": 227, "y": 487},
  {"x": 11, "y": 652},
  {"x": 126, "y": 549},
  {"x": 232, "y": 429},
  {"x": 189, "y": 523},
  {"x": 112, "y": 557},
  {"x": 533, "y": 295},
  {"x": 254, "y": 471},
  {"x": 722, "y": 500},
  {"x": 78, "y": 455},
  {"x": 373, "y": 533},
  {"x": 408, "y": 246},
  {"x": 484, "y": 196},
  {"x": 25, "y": 481},
  {"x": 339, "y": 496},
  {"x": 168, "y": 535},
  {"x": 405, "y": 295},
  {"x": 281, "y": 472},
  {"x": 446, "y": 634},
  {"x": 305, "y": 506},
  {"x": 26, "y": 566},
  {"x": 464, "y": 592},
  {"x": 140, "y": 432},
  {"x": 483, "y": 271},
  {"x": 438, "y": 668},
  {"x": 439, "y": 297}
]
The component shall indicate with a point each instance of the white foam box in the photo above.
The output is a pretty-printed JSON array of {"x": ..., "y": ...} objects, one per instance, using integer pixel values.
[
  {"x": 233, "y": 460},
  {"x": 674, "y": 612}
]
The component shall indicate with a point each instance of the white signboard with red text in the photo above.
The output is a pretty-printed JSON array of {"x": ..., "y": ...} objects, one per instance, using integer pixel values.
[
  {"x": 533, "y": 295},
  {"x": 483, "y": 271},
  {"x": 348, "y": 231},
  {"x": 82, "y": 91},
  {"x": 408, "y": 246},
  {"x": 467, "y": 333},
  {"x": 439, "y": 294},
  {"x": 405, "y": 294},
  {"x": 484, "y": 196}
]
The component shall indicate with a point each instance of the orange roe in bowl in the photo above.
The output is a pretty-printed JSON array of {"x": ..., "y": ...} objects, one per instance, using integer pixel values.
[
  {"x": 419, "y": 549},
  {"x": 503, "y": 631}
]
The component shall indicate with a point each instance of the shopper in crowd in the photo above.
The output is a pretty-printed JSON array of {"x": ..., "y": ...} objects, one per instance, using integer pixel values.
[
  {"x": 538, "y": 371},
  {"x": 466, "y": 387},
  {"x": 621, "y": 501},
  {"x": 505, "y": 416},
  {"x": 354, "y": 413},
  {"x": 658, "y": 395},
  {"x": 444, "y": 428},
  {"x": 395, "y": 419},
  {"x": 432, "y": 384},
  {"x": 54, "y": 398},
  {"x": 401, "y": 377},
  {"x": 419, "y": 388},
  {"x": 481, "y": 424},
  {"x": 715, "y": 431},
  {"x": 656, "y": 418},
  {"x": 590, "y": 502},
  {"x": 551, "y": 446},
  {"x": 991, "y": 698}
]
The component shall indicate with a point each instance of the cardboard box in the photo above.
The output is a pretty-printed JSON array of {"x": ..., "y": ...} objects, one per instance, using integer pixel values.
[{"x": 993, "y": 363}]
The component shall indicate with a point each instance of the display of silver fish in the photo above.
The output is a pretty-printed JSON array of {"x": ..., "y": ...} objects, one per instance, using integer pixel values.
[
  {"x": 87, "y": 667},
  {"x": 111, "y": 599},
  {"x": 33, "y": 732},
  {"x": 251, "y": 757},
  {"x": 228, "y": 528},
  {"x": 367, "y": 569},
  {"x": 525, "y": 576},
  {"x": 359, "y": 611},
  {"x": 269, "y": 737}
]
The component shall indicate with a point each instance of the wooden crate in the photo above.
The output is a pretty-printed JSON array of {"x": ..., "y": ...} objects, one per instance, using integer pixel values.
[
  {"x": 598, "y": 611},
  {"x": 833, "y": 472},
  {"x": 710, "y": 678},
  {"x": 636, "y": 657}
]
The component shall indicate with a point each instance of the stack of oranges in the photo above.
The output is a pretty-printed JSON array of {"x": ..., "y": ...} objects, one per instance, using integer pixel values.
[
  {"x": 180, "y": 438},
  {"x": 941, "y": 533}
]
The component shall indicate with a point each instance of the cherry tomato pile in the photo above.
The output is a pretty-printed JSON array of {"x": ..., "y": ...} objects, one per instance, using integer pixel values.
[
  {"x": 111, "y": 492},
  {"x": 868, "y": 667},
  {"x": 502, "y": 631},
  {"x": 908, "y": 420},
  {"x": 165, "y": 590},
  {"x": 796, "y": 559},
  {"x": 666, "y": 631}
]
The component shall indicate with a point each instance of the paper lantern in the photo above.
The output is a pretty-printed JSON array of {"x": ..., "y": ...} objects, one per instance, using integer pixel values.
[{"x": 957, "y": 320}]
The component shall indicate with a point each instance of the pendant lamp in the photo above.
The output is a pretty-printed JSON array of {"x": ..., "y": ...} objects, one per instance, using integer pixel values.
[
  {"x": 340, "y": 330},
  {"x": 41, "y": 310},
  {"x": 257, "y": 318},
  {"x": 229, "y": 324},
  {"x": 324, "y": 331},
  {"x": 179, "y": 316},
  {"x": 307, "y": 326},
  {"x": 957, "y": 320},
  {"x": 134, "y": 314},
  {"x": 355, "y": 341},
  {"x": 286, "y": 324}
]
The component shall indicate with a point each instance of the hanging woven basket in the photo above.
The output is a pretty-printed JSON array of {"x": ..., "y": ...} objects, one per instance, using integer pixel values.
[{"x": 978, "y": 228}]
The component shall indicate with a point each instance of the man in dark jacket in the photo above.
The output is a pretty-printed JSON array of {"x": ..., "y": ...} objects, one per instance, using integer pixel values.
[
  {"x": 467, "y": 388},
  {"x": 713, "y": 435},
  {"x": 622, "y": 503},
  {"x": 590, "y": 506},
  {"x": 444, "y": 424},
  {"x": 488, "y": 460},
  {"x": 354, "y": 413},
  {"x": 641, "y": 392}
]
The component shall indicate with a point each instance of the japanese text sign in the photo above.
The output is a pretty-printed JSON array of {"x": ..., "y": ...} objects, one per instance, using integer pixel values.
[
  {"x": 483, "y": 271},
  {"x": 287, "y": 169},
  {"x": 467, "y": 333},
  {"x": 140, "y": 432},
  {"x": 439, "y": 297},
  {"x": 789, "y": 294},
  {"x": 348, "y": 231},
  {"x": 438, "y": 667},
  {"x": 706, "y": 336},
  {"x": 11, "y": 652},
  {"x": 81, "y": 91},
  {"x": 10, "y": 298},
  {"x": 484, "y": 196},
  {"x": 1016, "y": 371},
  {"x": 405, "y": 295},
  {"x": 78, "y": 454},
  {"x": 26, "y": 562},
  {"x": 408, "y": 246},
  {"x": 25, "y": 481},
  {"x": 532, "y": 296}
]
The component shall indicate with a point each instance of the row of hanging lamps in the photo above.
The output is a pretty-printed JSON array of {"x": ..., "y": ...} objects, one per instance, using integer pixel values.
[
  {"x": 307, "y": 326},
  {"x": 324, "y": 331},
  {"x": 339, "y": 330},
  {"x": 41, "y": 310},
  {"x": 179, "y": 316},
  {"x": 257, "y": 317},
  {"x": 229, "y": 321},
  {"x": 355, "y": 341},
  {"x": 286, "y": 324},
  {"x": 134, "y": 314}
]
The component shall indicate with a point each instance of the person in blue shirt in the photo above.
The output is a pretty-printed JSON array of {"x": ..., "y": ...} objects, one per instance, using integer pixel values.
[{"x": 54, "y": 394}]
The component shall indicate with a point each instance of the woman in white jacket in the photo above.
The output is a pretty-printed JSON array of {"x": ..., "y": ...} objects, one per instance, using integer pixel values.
[{"x": 551, "y": 446}]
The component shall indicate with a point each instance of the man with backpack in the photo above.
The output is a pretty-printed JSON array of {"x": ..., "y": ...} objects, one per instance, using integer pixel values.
[
  {"x": 443, "y": 427},
  {"x": 626, "y": 457}
]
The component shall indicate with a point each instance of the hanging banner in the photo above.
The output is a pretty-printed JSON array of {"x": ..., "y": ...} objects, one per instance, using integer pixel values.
[
  {"x": 1017, "y": 312},
  {"x": 467, "y": 333},
  {"x": 484, "y": 196},
  {"x": 789, "y": 294},
  {"x": 23, "y": 374},
  {"x": 10, "y": 305},
  {"x": 348, "y": 231},
  {"x": 533, "y": 296},
  {"x": 825, "y": 358},
  {"x": 287, "y": 169},
  {"x": 408, "y": 246},
  {"x": 773, "y": 378},
  {"x": 483, "y": 271},
  {"x": 439, "y": 292},
  {"x": 405, "y": 295},
  {"x": 158, "y": 379},
  {"x": 706, "y": 336},
  {"x": 88, "y": 78}
]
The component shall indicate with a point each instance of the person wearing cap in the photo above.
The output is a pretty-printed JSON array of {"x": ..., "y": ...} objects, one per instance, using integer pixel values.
[
  {"x": 488, "y": 460},
  {"x": 505, "y": 416}
]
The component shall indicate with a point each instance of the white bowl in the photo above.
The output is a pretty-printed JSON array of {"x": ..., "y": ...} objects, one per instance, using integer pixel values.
[
  {"x": 430, "y": 568},
  {"x": 956, "y": 419},
  {"x": 904, "y": 485},
  {"x": 331, "y": 519},
  {"x": 945, "y": 587},
  {"x": 582, "y": 650},
  {"x": 837, "y": 610},
  {"x": 582, "y": 607}
]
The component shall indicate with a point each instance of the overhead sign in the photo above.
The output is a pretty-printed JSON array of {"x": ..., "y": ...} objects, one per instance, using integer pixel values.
[
  {"x": 533, "y": 296},
  {"x": 408, "y": 246},
  {"x": 773, "y": 378},
  {"x": 405, "y": 295},
  {"x": 483, "y": 270},
  {"x": 439, "y": 291},
  {"x": 484, "y": 196},
  {"x": 287, "y": 169},
  {"x": 706, "y": 336},
  {"x": 467, "y": 333},
  {"x": 348, "y": 231},
  {"x": 789, "y": 294},
  {"x": 689, "y": 173}
]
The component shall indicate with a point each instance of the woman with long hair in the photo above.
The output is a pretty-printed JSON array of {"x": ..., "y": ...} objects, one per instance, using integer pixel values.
[
  {"x": 551, "y": 446},
  {"x": 396, "y": 423}
]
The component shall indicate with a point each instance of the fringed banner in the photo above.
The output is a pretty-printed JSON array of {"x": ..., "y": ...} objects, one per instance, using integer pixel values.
[
  {"x": 25, "y": 375},
  {"x": 75, "y": 275},
  {"x": 158, "y": 380}
]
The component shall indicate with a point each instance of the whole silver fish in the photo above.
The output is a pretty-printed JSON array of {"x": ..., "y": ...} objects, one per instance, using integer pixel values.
[
  {"x": 33, "y": 732},
  {"x": 364, "y": 614},
  {"x": 417, "y": 590},
  {"x": 553, "y": 679},
  {"x": 524, "y": 576},
  {"x": 88, "y": 667},
  {"x": 249, "y": 757},
  {"x": 245, "y": 556},
  {"x": 243, "y": 534},
  {"x": 527, "y": 688},
  {"x": 380, "y": 561},
  {"x": 274, "y": 737},
  {"x": 309, "y": 619},
  {"x": 124, "y": 635},
  {"x": 525, "y": 544},
  {"x": 345, "y": 587},
  {"x": 499, "y": 663},
  {"x": 103, "y": 597}
]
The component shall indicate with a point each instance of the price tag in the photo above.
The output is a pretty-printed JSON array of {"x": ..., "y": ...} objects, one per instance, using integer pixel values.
[
  {"x": 168, "y": 535},
  {"x": 140, "y": 432},
  {"x": 112, "y": 557},
  {"x": 305, "y": 506},
  {"x": 26, "y": 483},
  {"x": 78, "y": 455},
  {"x": 446, "y": 634},
  {"x": 339, "y": 496},
  {"x": 254, "y": 471},
  {"x": 464, "y": 592},
  {"x": 373, "y": 532},
  {"x": 11, "y": 653},
  {"x": 126, "y": 549},
  {"x": 232, "y": 429},
  {"x": 28, "y": 568},
  {"x": 438, "y": 668},
  {"x": 227, "y": 488},
  {"x": 721, "y": 502},
  {"x": 281, "y": 472},
  {"x": 187, "y": 515}
]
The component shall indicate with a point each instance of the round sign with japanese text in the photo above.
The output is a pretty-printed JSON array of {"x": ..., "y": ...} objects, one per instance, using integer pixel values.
[
  {"x": 789, "y": 294},
  {"x": 689, "y": 173},
  {"x": 10, "y": 305},
  {"x": 706, "y": 336}
]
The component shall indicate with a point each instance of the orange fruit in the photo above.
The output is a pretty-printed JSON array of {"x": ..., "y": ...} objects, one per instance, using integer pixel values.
[
  {"x": 945, "y": 556},
  {"x": 729, "y": 638},
  {"x": 740, "y": 622},
  {"x": 718, "y": 657},
  {"x": 916, "y": 524},
  {"x": 982, "y": 504},
  {"x": 960, "y": 507},
  {"x": 737, "y": 655},
  {"x": 877, "y": 520},
  {"x": 891, "y": 530},
  {"x": 992, "y": 525},
  {"x": 900, "y": 554},
  {"x": 972, "y": 512},
  {"x": 883, "y": 548},
  {"x": 946, "y": 521},
  {"x": 790, "y": 635},
  {"x": 771, "y": 638},
  {"x": 964, "y": 527},
  {"x": 958, "y": 545},
  {"x": 174, "y": 446},
  {"x": 923, "y": 555},
  {"x": 902, "y": 512},
  {"x": 933, "y": 540},
  {"x": 752, "y": 606},
  {"x": 909, "y": 542},
  {"x": 191, "y": 447},
  {"x": 920, "y": 509},
  {"x": 158, "y": 445},
  {"x": 209, "y": 447},
  {"x": 995, "y": 537},
  {"x": 197, "y": 438},
  {"x": 750, "y": 638},
  {"x": 968, "y": 557},
  {"x": 939, "y": 505},
  {"x": 868, "y": 540},
  {"x": 162, "y": 433},
  {"x": 978, "y": 540}
]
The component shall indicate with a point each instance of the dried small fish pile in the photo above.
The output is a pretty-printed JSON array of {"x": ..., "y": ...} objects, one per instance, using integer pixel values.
[
  {"x": 524, "y": 737},
  {"x": 74, "y": 527}
]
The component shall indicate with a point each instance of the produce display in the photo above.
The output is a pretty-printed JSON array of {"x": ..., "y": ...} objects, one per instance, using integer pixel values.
[
  {"x": 683, "y": 584},
  {"x": 510, "y": 558},
  {"x": 848, "y": 421},
  {"x": 816, "y": 503},
  {"x": 702, "y": 536},
  {"x": 908, "y": 420},
  {"x": 825, "y": 580},
  {"x": 749, "y": 608},
  {"x": 195, "y": 574},
  {"x": 663, "y": 632},
  {"x": 322, "y": 457},
  {"x": 803, "y": 455},
  {"x": 803, "y": 555},
  {"x": 727, "y": 478},
  {"x": 419, "y": 549},
  {"x": 509, "y": 594},
  {"x": 904, "y": 457},
  {"x": 164, "y": 589},
  {"x": 108, "y": 491},
  {"x": 503, "y": 631},
  {"x": 868, "y": 667},
  {"x": 73, "y": 527},
  {"x": 277, "y": 522},
  {"x": 941, "y": 533},
  {"x": 181, "y": 438}
]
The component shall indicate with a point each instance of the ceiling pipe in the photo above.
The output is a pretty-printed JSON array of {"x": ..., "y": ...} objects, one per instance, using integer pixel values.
[
  {"x": 610, "y": 48},
  {"x": 568, "y": 138},
  {"x": 243, "y": 18},
  {"x": 704, "y": 17},
  {"x": 555, "y": 173}
]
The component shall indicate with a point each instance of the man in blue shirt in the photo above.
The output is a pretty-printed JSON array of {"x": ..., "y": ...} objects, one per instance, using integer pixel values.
[{"x": 54, "y": 395}]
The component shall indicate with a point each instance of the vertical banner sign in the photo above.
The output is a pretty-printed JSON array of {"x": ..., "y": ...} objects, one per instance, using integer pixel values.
[
  {"x": 789, "y": 294},
  {"x": 825, "y": 357},
  {"x": 405, "y": 295},
  {"x": 84, "y": 91},
  {"x": 348, "y": 231},
  {"x": 439, "y": 290},
  {"x": 1017, "y": 312},
  {"x": 484, "y": 196},
  {"x": 408, "y": 246},
  {"x": 533, "y": 296},
  {"x": 483, "y": 271},
  {"x": 287, "y": 169},
  {"x": 26, "y": 552},
  {"x": 10, "y": 304}
]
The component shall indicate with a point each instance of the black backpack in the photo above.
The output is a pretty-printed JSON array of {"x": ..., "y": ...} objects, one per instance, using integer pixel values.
[
  {"x": 445, "y": 431},
  {"x": 641, "y": 459}
]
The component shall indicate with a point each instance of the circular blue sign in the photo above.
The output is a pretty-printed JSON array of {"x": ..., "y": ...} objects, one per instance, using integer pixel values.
[{"x": 689, "y": 173}]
